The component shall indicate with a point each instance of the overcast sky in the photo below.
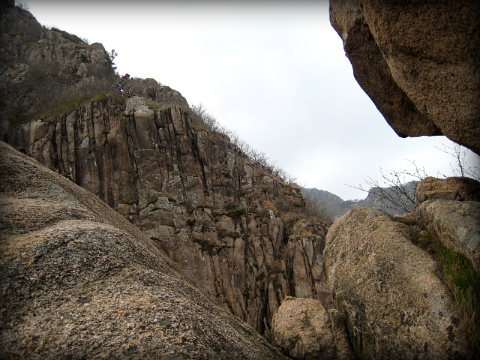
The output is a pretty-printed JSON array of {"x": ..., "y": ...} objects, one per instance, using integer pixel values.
[{"x": 275, "y": 73}]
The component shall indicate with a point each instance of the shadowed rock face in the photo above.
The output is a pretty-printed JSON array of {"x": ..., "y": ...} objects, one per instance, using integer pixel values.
[
  {"x": 79, "y": 281},
  {"x": 418, "y": 61}
]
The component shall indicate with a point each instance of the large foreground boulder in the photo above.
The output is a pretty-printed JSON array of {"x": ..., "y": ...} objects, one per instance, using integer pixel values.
[
  {"x": 79, "y": 281},
  {"x": 389, "y": 291},
  {"x": 417, "y": 60}
]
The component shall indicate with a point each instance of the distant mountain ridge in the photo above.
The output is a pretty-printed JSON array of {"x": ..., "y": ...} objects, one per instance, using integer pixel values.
[
  {"x": 335, "y": 206},
  {"x": 322, "y": 195}
]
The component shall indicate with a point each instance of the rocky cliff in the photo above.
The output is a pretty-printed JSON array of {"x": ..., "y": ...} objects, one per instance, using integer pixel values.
[
  {"x": 237, "y": 232},
  {"x": 403, "y": 287},
  {"x": 418, "y": 62}
]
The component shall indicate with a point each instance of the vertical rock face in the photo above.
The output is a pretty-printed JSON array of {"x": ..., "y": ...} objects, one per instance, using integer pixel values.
[
  {"x": 79, "y": 281},
  {"x": 237, "y": 232},
  {"x": 418, "y": 61}
]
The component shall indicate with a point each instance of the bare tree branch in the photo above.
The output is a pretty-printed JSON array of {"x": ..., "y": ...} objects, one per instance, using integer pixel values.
[{"x": 460, "y": 168}]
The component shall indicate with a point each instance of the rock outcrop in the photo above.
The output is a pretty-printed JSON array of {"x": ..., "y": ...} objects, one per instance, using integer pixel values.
[
  {"x": 390, "y": 292},
  {"x": 449, "y": 209},
  {"x": 418, "y": 62},
  {"x": 400, "y": 286},
  {"x": 42, "y": 67},
  {"x": 452, "y": 188},
  {"x": 455, "y": 223},
  {"x": 79, "y": 281},
  {"x": 238, "y": 232}
]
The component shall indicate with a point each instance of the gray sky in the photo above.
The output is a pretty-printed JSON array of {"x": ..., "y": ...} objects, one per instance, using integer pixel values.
[{"x": 275, "y": 73}]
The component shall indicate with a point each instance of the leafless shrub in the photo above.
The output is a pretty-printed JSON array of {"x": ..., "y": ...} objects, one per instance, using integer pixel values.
[
  {"x": 257, "y": 158},
  {"x": 394, "y": 189},
  {"x": 461, "y": 167}
]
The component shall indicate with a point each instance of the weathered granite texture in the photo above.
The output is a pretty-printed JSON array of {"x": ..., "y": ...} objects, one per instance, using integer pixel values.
[
  {"x": 390, "y": 292},
  {"x": 418, "y": 61},
  {"x": 304, "y": 329},
  {"x": 452, "y": 188},
  {"x": 41, "y": 67}
]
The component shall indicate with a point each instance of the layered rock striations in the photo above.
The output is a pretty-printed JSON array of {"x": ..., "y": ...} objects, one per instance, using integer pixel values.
[
  {"x": 419, "y": 63},
  {"x": 79, "y": 281},
  {"x": 236, "y": 231}
]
